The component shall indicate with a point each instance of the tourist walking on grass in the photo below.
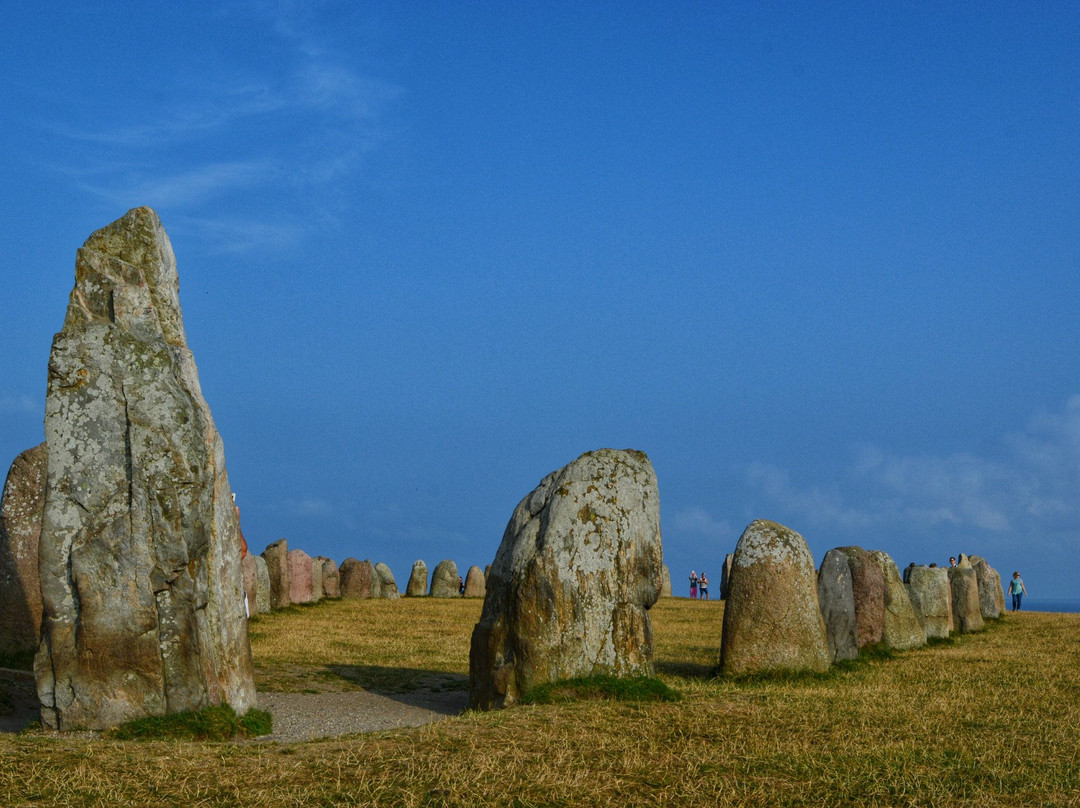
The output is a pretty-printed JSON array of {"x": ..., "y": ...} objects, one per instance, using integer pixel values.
[
  {"x": 693, "y": 584},
  {"x": 703, "y": 586},
  {"x": 1017, "y": 590}
]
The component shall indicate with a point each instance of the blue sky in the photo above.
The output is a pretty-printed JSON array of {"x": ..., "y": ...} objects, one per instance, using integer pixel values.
[{"x": 819, "y": 261}]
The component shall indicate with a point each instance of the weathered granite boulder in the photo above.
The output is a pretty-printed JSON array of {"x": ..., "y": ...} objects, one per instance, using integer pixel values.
[
  {"x": 143, "y": 610},
  {"x": 991, "y": 594},
  {"x": 387, "y": 585},
  {"x": 262, "y": 586},
  {"x": 300, "y": 578},
  {"x": 569, "y": 591},
  {"x": 837, "y": 603},
  {"x": 868, "y": 589},
  {"x": 276, "y": 556},
  {"x": 964, "y": 587},
  {"x": 21, "y": 512},
  {"x": 356, "y": 578},
  {"x": 725, "y": 576},
  {"x": 931, "y": 597},
  {"x": 475, "y": 586},
  {"x": 251, "y": 582},
  {"x": 331, "y": 578},
  {"x": 316, "y": 579},
  {"x": 445, "y": 582},
  {"x": 902, "y": 630},
  {"x": 665, "y": 582},
  {"x": 417, "y": 586},
  {"x": 772, "y": 620}
]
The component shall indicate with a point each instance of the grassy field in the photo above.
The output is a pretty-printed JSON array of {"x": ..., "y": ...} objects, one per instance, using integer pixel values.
[{"x": 992, "y": 718}]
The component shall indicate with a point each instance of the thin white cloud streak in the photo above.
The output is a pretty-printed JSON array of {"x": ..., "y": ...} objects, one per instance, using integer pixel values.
[
  {"x": 1033, "y": 481},
  {"x": 697, "y": 522},
  {"x": 21, "y": 405}
]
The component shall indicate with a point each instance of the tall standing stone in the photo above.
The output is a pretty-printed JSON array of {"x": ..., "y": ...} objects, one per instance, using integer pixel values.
[
  {"x": 837, "y": 601},
  {"x": 964, "y": 586},
  {"x": 143, "y": 609},
  {"x": 868, "y": 589},
  {"x": 316, "y": 579},
  {"x": 21, "y": 512},
  {"x": 444, "y": 580},
  {"x": 262, "y": 586},
  {"x": 725, "y": 576},
  {"x": 276, "y": 556},
  {"x": 331, "y": 578},
  {"x": 387, "y": 585},
  {"x": 902, "y": 629},
  {"x": 577, "y": 570},
  {"x": 249, "y": 570},
  {"x": 417, "y": 586},
  {"x": 931, "y": 597},
  {"x": 300, "y": 587},
  {"x": 772, "y": 619},
  {"x": 665, "y": 582},
  {"x": 475, "y": 586},
  {"x": 991, "y": 594},
  {"x": 356, "y": 578}
]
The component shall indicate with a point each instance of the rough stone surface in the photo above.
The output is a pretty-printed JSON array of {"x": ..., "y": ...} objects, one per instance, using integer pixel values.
[
  {"x": 569, "y": 591},
  {"x": 928, "y": 588},
  {"x": 21, "y": 512},
  {"x": 143, "y": 610},
  {"x": 902, "y": 630},
  {"x": 964, "y": 586},
  {"x": 356, "y": 578},
  {"x": 316, "y": 578},
  {"x": 444, "y": 580},
  {"x": 837, "y": 603},
  {"x": 300, "y": 590},
  {"x": 251, "y": 581},
  {"x": 475, "y": 586},
  {"x": 387, "y": 585},
  {"x": 725, "y": 576},
  {"x": 331, "y": 578},
  {"x": 276, "y": 556},
  {"x": 772, "y": 620},
  {"x": 868, "y": 588},
  {"x": 262, "y": 585},
  {"x": 665, "y": 582},
  {"x": 991, "y": 594},
  {"x": 417, "y": 586}
]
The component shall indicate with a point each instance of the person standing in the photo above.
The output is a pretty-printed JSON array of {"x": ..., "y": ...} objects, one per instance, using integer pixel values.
[
  {"x": 1017, "y": 590},
  {"x": 703, "y": 586},
  {"x": 693, "y": 584}
]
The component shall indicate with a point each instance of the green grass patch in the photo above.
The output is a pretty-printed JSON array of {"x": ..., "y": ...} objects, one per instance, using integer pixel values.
[
  {"x": 209, "y": 724},
  {"x": 607, "y": 688}
]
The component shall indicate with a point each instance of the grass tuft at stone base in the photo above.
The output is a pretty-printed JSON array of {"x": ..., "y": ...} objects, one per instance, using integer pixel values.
[
  {"x": 606, "y": 688},
  {"x": 209, "y": 724}
]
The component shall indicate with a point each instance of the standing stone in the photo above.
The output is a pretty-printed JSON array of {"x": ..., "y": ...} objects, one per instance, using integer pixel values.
[
  {"x": 772, "y": 620},
  {"x": 928, "y": 588},
  {"x": 964, "y": 586},
  {"x": 276, "y": 556},
  {"x": 725, "y": 576},
  {"x": 417, "y": 586},
  {"x": 991, "y": 594},
  {"x": 331, "y": 578},
  {"x": 665, "y": 582},
  {"x": 837, "y": 601},
  {"x": 569, "y": 591},
  {"x": 356, "y": 578},
  {"x": 387, "y": 585},
  {"x": 868, "y": 589},
  {"x": 300, "y": 584},
  {"x": 902, "y": 630},
  {"x": 474, "y": 583},
  {"x": 143, "y": 610},
  {"x": 251, "y": 582},
  {"x": 316, "y": 579},
  {"x": 21, "y": 512},
  {"x": 444, "y": 580},
  {"x": 262, "y": 586}
]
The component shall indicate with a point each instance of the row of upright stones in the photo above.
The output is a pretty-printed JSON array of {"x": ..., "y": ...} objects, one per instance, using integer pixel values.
[{"x": 781, "y": 614}]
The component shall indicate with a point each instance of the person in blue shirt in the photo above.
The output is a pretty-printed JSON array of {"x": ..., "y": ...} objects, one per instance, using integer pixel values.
[{"x": 1017, "y": 590}]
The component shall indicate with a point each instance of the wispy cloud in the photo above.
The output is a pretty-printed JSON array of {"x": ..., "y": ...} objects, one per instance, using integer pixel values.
[
  {"x": 21, "y": 405},
  {"x": 699, "y": 523}
]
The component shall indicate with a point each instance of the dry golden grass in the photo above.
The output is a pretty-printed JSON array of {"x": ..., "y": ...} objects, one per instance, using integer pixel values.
[{"x": 992, "y": 718}]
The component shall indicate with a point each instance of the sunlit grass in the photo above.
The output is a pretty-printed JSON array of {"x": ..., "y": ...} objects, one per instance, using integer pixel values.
[{"x": 986, "y": 719}]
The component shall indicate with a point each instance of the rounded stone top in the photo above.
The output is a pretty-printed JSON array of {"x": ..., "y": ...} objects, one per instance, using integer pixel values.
[{"x": 766, "y": 541}]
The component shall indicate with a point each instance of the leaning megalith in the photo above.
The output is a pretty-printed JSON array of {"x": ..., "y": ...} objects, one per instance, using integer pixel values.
[
  {"x": 417, "y": 586},
  {"x": 868, "y": 589},
  {"x": 445, "y": 582},
  {"x": 578, "y": 568},
  {"x": 837, "y": 602},
  {"x": 262, "y": 586},
  {"x": 475, "y": 586},
  {"x": 991, "y": 594},
  {"x": 356, "y": 578},
  {"x": 21, "y": 512},
  {"x": 902, "y": 629},
  {"x": 276, "y": 556},
  {"x": 387, "y": 585},
  {"x": 331, "y": 578},
  {"x": 772, "y": 620},
  {"x": 931, "y": 597},
  {"x": 964, "y": 587},
  {"x": 143, "y": 609}
]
